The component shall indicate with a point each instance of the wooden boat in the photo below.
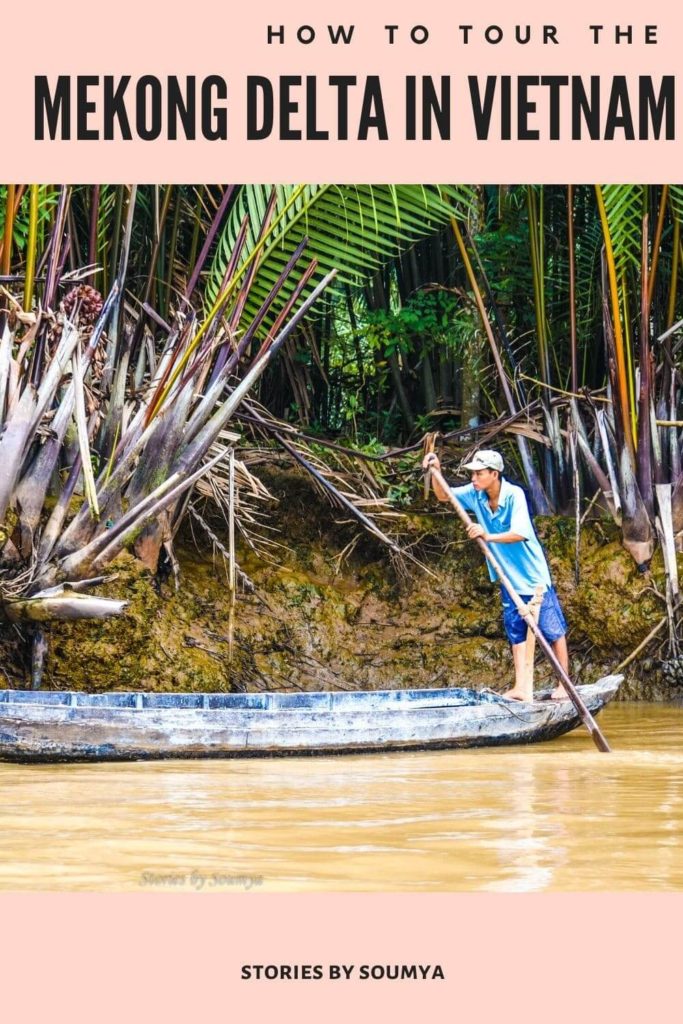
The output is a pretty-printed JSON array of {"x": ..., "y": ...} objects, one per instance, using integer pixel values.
[{"x": 68, "y": 726}]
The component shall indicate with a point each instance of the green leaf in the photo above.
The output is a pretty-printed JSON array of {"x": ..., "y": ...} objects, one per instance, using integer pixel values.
[
  {"x": 354, "y": 229},
  {"x": 624, "y": 205}
]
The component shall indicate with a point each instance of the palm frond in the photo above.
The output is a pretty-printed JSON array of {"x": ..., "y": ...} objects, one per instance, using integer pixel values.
[
  {"x": 353, "y": 228},
  {"x": 624, "y": 206},
  {"x": 676, "y": 195}
]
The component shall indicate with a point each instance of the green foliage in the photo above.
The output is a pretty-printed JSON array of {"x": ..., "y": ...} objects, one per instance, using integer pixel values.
[
  {"x": 401, "y": 494},
  {"x": 428, "y": 319},
  {"x": 354, "y": 229},
  {"x": 625, "y": 205},
  {"x": 676, "y": 194}
]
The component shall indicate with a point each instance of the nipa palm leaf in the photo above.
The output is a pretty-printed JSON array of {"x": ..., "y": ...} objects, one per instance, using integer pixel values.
[
  {"x": 624, "y": 206},
  {"x": 351, "y": 228}
]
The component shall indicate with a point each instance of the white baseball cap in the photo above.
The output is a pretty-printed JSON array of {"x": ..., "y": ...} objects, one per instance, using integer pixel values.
[{"x": 486, "y": 459}]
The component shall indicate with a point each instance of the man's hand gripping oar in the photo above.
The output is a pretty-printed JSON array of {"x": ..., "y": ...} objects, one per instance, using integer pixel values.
[{"x": 431, "y": 467}]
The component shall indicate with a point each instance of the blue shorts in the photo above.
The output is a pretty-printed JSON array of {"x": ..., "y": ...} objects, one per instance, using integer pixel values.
[{"x": 551, "y": 620}]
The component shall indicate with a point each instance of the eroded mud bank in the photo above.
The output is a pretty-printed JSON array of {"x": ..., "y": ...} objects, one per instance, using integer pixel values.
[{"x": 315, "y": 621}]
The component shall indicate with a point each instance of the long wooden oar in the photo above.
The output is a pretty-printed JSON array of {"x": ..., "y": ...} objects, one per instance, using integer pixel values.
[{"x": 527, "y": 614}]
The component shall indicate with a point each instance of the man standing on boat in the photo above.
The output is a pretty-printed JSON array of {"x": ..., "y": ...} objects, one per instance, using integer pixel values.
[{"x": 503, "y": 519}]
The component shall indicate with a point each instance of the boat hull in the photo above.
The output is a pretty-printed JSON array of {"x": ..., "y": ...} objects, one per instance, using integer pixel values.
[{"x": 68, "y": 726}]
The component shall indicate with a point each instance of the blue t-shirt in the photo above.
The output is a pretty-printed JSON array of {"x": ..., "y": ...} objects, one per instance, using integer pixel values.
[{"x": 523, "y": 561}]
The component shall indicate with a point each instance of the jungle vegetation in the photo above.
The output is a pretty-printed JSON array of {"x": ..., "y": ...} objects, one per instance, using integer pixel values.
[{"x": 150, "y": 337}]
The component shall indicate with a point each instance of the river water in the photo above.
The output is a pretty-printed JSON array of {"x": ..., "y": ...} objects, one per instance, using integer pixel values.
[{"x": 555, "y": 816}]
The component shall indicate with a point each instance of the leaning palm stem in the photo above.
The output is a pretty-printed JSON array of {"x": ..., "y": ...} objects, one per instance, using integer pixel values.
[
  {"x": 65, "y": 607},
  {"x": 83, "y": 436}
]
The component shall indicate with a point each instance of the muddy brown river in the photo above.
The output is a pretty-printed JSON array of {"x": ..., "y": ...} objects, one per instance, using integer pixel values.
[{"x": 555, "y": 816}]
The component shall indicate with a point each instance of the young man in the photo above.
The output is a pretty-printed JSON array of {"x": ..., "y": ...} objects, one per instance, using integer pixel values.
[{"x": 503, "y": 519}]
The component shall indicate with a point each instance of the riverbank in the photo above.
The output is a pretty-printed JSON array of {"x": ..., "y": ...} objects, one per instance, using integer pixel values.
[{"x": 317, "y": 620}]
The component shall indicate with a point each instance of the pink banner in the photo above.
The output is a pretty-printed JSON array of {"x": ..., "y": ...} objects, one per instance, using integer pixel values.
[
  {"x": 320, "y": 92},
  {"x": 334, "y": 958}
]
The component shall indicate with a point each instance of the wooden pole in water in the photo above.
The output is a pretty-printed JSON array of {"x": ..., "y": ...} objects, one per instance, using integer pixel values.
[{"x": 523, "y": 609}]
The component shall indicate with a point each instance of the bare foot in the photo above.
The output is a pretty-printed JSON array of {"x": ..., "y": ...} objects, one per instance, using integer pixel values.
[
  {"x": 559, "y": 693},
  {"x": 515, "y": 694}
]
